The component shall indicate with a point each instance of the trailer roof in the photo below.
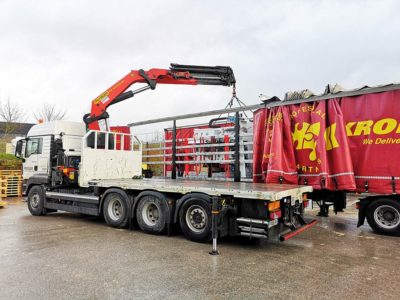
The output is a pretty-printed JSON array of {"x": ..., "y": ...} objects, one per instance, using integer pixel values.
[{"x": 330, "y": 93}]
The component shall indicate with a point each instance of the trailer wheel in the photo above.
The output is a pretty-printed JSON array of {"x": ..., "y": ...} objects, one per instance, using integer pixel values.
[
  {"x": 383, "y": 215},
  {"x": 35, "y": 201},
  {"x": 195, "y": 219},
  {"x": 151, "y": 213},
  {"x": 116, "y": 210}
]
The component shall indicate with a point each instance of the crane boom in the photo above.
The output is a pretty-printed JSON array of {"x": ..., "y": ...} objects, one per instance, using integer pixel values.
[{"x": 176, "y": 74}]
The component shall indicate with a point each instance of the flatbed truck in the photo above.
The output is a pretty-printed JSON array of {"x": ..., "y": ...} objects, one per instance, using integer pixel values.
[{"x": 67, "y": 168}]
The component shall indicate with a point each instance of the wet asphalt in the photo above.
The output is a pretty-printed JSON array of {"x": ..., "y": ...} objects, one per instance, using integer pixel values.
[{"x": 65, "y": 256}]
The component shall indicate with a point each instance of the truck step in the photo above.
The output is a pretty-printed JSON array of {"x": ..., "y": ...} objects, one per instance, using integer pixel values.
[
  {"x": 73, "y": 197},
  {"x": 252, "y": 221},
  {"x": 253, "y": 228},
  {"x": 74, "y": 209},
  {"x": 253, "y": 235},
  {"x": 253, "y": 232}
]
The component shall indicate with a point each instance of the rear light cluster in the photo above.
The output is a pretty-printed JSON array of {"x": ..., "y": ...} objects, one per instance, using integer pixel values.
[
  {"x": 274, "y": 205},
  {"x": 275, "y": 215},
  {"x": 274, "y": 210},
  {"x": 305, "y": 200}
]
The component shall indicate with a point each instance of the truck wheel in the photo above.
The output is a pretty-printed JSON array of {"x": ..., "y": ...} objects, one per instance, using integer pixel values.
[
  {"x": 116, "y": 210},
  {"x": 35, "y": 201},
  {"x": 383, "y": 215},
  {"x": 195, "y": 220},
  {"x": 151, "y": 213}
]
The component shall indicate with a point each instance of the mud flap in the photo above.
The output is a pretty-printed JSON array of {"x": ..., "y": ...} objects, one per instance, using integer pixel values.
[{"x": 362, "y": 212}]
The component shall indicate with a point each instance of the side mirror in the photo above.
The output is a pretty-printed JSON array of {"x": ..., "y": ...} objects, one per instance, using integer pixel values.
[{"x": 18, "y": 149}]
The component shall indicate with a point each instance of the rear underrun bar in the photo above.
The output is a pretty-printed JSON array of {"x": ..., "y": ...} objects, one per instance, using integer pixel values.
[{"x": 291, "y": 234}]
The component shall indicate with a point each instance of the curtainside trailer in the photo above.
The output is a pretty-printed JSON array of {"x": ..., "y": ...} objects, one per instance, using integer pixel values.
[{"x": 339, "y": 142}]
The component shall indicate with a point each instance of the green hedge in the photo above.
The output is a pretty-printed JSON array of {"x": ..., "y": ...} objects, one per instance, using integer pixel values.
[{"x": 9, "y": 162}]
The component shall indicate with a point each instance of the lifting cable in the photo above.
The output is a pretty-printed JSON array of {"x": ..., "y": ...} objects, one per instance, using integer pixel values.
[{"x": 235, "y": 98}]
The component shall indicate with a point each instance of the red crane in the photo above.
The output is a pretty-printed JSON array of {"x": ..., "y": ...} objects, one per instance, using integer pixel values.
[{"x": 176, "y": 74}]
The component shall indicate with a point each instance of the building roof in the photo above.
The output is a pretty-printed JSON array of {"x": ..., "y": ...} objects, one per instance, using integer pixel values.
[{"x": 15, "y": 128}]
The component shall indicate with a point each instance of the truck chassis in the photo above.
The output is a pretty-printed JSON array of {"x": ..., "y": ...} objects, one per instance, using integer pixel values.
[{"x": 245, "y": 209}]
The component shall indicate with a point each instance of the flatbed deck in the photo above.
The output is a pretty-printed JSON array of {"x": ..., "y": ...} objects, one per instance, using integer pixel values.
[{"x": 246, "y": 190}]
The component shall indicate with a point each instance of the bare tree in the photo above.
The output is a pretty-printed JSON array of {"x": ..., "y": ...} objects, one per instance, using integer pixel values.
[
  {"x": 11, "y": 115},
  {"x": 49, "y": 112},
  {"x": 11, "y": 112}
]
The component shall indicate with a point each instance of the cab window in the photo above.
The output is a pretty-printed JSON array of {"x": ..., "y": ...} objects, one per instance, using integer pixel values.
[{"x": 33, "y": 146}]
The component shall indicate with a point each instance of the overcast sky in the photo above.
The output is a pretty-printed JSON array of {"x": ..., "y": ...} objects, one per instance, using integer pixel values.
[{"x": 68, "y": 52}]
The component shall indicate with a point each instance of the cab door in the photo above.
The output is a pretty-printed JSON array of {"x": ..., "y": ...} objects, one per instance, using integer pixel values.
[{"x": 33, "y": 149}]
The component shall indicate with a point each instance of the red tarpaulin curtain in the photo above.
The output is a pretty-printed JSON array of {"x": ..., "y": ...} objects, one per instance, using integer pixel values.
[{"x": 348, "y": 143}]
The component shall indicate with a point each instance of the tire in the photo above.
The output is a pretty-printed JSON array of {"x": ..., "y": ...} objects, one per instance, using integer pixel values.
[
  {"x": 152, "y": 213},
  {"x": 36, "y": 197},
  {"x": 383, "y": 215},
  {"x": 195, "y": 219},
  {"x": 116, "y": 210}
]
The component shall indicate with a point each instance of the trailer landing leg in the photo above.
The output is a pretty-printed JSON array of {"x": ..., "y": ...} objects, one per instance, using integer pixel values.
[
  {"x": 323, "y": 208},
  {"x": 323, "y": 211}
]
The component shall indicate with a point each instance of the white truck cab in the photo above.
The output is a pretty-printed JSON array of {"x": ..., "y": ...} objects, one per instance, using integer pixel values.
[
  {"x": 61, "y": 153},
  {"x": 38, "y": 147}
]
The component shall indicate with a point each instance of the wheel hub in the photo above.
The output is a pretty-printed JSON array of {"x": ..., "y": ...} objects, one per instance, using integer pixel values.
[
  {"x": 196, "y": 218},
  {"x": 150, "y": 214},
  {"x": 35, "y": 200},
  {"x": 115, "y": 209},
  {"x": 387, "y": 216}
]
